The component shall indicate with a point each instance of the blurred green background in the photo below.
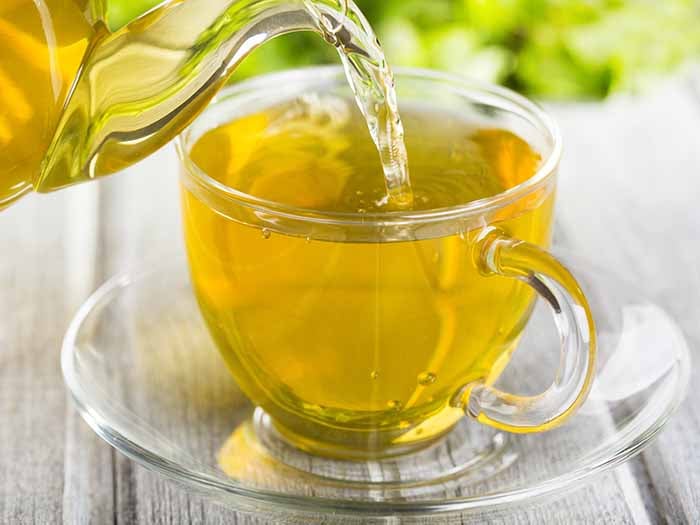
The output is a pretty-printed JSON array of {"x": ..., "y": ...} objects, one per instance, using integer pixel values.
[{"x": 554, "y": 49}]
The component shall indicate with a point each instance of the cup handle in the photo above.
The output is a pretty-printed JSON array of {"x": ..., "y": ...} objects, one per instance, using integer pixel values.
[{"x": 502, "y": 255}]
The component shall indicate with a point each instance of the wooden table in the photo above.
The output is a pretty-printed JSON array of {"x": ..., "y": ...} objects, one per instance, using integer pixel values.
[{"x": 629, "y": 199}]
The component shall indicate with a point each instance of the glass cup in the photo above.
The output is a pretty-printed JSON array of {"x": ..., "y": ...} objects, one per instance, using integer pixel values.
[{"x": 365, "y": 335}]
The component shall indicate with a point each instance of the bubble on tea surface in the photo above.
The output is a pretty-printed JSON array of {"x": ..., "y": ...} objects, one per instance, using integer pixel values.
[
  {"x": 314, "y": 110},
  {"x": 266, "y": 233},
  {"x": 374, "y": 374},
  {"x": 426, "y": 378}
]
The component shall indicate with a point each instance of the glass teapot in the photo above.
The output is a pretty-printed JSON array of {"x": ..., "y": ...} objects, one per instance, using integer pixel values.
[{"x": 88, "y": 90}]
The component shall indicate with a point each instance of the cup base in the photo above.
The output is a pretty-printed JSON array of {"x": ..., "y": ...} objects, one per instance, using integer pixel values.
[
  {"x": 468, "y": 451},
  {"x": 272, "y": 431}
]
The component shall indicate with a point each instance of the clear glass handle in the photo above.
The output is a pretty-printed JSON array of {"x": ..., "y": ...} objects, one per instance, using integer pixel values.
[{"x": 503, "y": 255}]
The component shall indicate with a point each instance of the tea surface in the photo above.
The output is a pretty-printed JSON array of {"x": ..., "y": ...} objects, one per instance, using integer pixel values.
[{"x": 361, "y": 344}]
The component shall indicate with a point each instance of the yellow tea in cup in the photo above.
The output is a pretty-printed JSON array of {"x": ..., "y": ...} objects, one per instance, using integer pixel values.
[{"x": 350, "y": 345}]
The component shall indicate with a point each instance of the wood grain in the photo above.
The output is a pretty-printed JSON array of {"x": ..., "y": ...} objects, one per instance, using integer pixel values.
[
  {"x": 630, "y": 182},
  {"x": 34, "y": 311}
]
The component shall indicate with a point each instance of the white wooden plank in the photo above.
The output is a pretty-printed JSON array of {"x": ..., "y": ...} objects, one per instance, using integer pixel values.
[
  {"x": 89, "y": 487},
  {"x": 35, "y": 306}
]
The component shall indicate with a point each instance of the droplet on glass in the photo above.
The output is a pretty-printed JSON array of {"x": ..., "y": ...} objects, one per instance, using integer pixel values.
[
  {"x": 374, "y": 374},
  {"x": 395, "y": 404},
  {"x": 426, "y": 378}
]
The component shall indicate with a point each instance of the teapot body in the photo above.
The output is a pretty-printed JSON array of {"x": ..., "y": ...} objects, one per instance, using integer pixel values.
[
  {"x": 87, "y": 91},
  {"x": 43, "y": 45}
]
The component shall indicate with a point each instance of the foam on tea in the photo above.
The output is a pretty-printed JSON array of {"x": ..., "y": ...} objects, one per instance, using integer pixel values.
[{"x": 339, "y": 340}]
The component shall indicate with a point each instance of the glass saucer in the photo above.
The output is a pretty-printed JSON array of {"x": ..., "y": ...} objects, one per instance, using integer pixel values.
[{"x": 147, "y": 378}]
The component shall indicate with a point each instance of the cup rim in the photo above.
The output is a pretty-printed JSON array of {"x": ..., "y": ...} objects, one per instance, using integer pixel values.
[{"x": 528, "y": 109}]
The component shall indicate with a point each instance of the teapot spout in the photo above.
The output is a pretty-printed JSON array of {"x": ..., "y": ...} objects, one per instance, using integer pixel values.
[{"x": 140, "y": 86}]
